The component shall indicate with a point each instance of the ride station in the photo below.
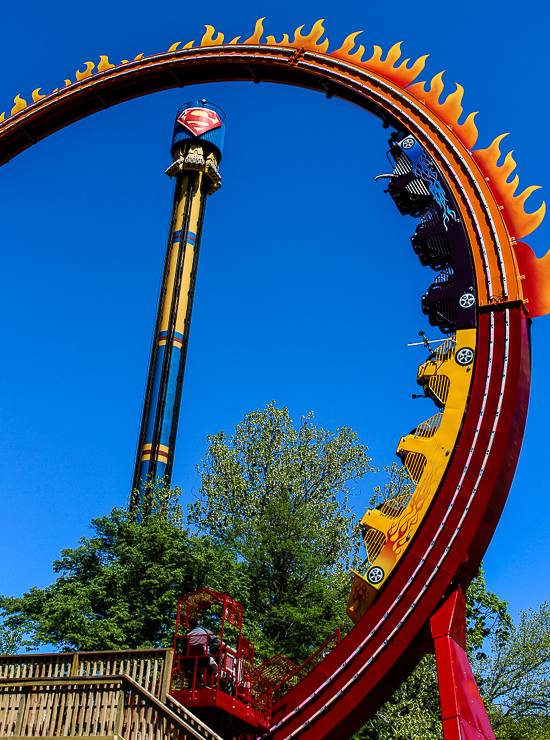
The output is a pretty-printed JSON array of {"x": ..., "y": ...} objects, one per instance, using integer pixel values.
[
  {"x": 216, "y": 676},
  {"x": 422, "y": 549}
]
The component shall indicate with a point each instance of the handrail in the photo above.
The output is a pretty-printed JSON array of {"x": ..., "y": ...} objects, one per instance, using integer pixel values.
[
  {"x": 112, "y": 711},
  {"x": 132, "y": 651},
  {"x": 277, "y": 692},
  {"x": 179, "y": 709},
  {"x": 151, "y": 667}
]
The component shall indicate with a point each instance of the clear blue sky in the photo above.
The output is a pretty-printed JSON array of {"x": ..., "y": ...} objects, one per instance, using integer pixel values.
[{"x": 308, "y": 290}]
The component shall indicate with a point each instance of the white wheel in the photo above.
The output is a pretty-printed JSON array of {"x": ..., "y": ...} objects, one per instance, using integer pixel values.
[
  {"x": 466, "y": 300},
  {"x": 375, "y": 575},
  {"x": 464, "y": 356}
]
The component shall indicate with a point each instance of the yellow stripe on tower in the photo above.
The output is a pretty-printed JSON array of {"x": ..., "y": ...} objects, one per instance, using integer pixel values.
[{"x": 162, "y": 452}]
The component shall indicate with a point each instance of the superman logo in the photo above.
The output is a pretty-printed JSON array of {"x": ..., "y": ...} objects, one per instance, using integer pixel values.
[{"x": 199, "y": 120}]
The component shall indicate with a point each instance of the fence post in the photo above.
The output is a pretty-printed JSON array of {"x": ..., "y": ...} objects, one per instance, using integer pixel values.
[
  {"x": 119, "y": 717},
  {"x": 166, "y": 677},
  {"x": 20, "y": 713},
  {"x": 75, "y": 664}
]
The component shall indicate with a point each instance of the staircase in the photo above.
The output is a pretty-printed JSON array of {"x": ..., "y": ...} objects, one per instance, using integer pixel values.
[{"x": 120, "y": 695}]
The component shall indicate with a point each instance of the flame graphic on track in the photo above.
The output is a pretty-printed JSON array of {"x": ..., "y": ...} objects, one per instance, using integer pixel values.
[
  {"x": 36, "y": 95},
  {"x": 20, "y": 104},
  {"x": 519, "y": 222},
  {"x": 104, "y": 64},
  {"x": 450, "y": 110},
  {"x": 208, "y": 38},
  {"x": 258, "y": 31},
  {"x": 87, "y": 73},
  {"x": 300, "y": 41},
  {"x": 401, "y": 75}
]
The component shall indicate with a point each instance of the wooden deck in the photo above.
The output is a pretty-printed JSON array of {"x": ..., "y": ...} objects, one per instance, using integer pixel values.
[{"x": 120, "y": 695}]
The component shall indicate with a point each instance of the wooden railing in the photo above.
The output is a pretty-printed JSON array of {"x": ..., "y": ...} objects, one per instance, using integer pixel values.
[
  {"x": 151, "y": 669},
  {"x": 188, "y": 718},
  {"x": 118, "y": 695},
  {"x": 110, "y": 706}
]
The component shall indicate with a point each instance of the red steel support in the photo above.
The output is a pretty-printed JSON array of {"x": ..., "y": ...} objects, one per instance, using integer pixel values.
[{"x": 462, "y": 710}]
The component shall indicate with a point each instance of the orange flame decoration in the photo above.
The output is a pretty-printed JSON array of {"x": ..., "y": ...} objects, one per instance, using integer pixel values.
[
  {"x": 519, "y": 222},
  {"x": 208, "y": 38},
  {"x": 36, "y": 96},
  {"x": 258, "y": 31},
  {"x": 449, "y": 111},
  {"x": 300, "y": 41},
  {"x": 104, "y": 64},
  {"x": 20, "y": 104},
  {"x": 87, "y": 73},
  {"x": 401, "y": 75},
  {"x": 536, "y": 273}
]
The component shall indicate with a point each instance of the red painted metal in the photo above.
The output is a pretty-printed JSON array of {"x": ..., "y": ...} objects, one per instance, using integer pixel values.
[
  {"x": 378, "y": 654},
  {"x": 462, "y": 709},
  {"x": 230, "y": 691}
]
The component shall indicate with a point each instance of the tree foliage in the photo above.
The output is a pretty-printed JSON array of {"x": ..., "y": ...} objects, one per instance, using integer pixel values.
[
  {"x": 512, "y": 664},
  {"x": 273, "y": 529},
  {"x": 514, "y": 679},
  {"x": 276, "y": 496},
  {"x": 119, "y": 588},
  {"x": 399, "y": 483},
  {"x": 486, "y": 616}
]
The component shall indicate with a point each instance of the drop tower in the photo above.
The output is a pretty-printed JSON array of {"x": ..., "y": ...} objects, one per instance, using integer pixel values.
[{"x": 197, "y": 146}]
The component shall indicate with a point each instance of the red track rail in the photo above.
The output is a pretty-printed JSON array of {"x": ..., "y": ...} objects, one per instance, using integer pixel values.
[
  {"x": 379, "y": 653},
  {"x": 358, "y": 676}
]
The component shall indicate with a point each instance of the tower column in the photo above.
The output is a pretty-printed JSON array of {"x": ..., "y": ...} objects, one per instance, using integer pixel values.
[{"x": 196, "y": 150}]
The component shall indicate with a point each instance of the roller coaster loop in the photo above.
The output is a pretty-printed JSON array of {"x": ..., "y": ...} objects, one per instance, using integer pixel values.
[{"x": 425, "y": 550}]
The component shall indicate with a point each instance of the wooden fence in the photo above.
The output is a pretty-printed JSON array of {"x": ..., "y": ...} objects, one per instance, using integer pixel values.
[
  {"x": 149, "y": 668},
  {"x": 75, "y": 695}
]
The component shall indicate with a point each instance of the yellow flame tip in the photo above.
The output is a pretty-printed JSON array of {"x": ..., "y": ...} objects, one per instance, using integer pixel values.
[
  {"x": 104, "y": 64},
  {"x": 20, "y": 104},
  {"x": 36, "y": 95},
  {"x": 87, "y": 73}
]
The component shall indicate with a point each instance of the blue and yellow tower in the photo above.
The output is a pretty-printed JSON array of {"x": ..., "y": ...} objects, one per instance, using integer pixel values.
[{"x": 197, "y": 146}]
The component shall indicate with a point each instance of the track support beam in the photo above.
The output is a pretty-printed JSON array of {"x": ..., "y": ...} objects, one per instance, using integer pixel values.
[{"x": 462, "y": 710}]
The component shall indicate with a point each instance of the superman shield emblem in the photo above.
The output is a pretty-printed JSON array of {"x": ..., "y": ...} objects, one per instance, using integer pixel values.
[{"x": 199, "y": 120}]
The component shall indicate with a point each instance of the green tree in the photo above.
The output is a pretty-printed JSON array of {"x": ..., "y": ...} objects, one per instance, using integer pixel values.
[
  {"x": 119, "y": 588},
  {"x": 511, "y": 664},
  {"x": 486, "y": 616},
  {"x": 514, "y": 678},
  {"x": 276, "y": 497},
  {"x": 399, "y": 483},
  {"x": 11, "y": 638}
]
